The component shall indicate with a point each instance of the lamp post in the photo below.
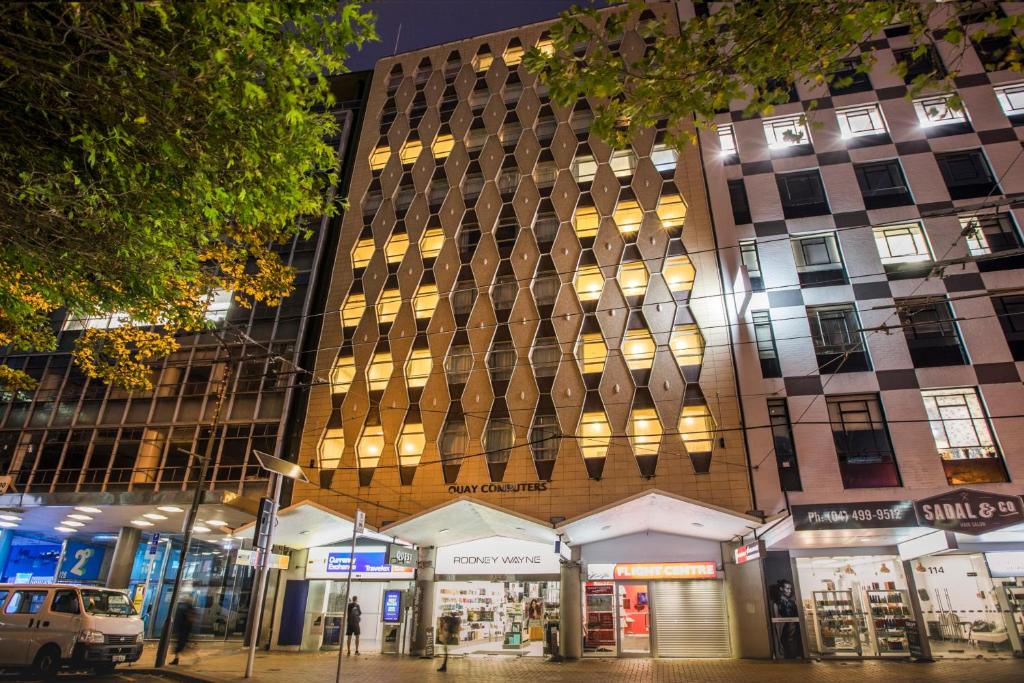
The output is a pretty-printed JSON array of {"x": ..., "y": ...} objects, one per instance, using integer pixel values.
[
  {"x": 190, "y": 521},
  {"x": 280, "y": 470}
]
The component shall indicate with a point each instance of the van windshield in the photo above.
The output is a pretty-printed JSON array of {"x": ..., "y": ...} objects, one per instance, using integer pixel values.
[{"x": 107, "y": 603}]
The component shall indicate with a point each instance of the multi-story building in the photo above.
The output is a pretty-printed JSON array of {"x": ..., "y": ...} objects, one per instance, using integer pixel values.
[
  {"x": 876, "y": 245},
  {"x": 105, "y": 469},
  {"x": 526, "y": 339}
]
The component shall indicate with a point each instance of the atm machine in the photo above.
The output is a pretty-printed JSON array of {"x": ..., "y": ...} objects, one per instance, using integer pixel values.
[{"x": 391, "y": 616}]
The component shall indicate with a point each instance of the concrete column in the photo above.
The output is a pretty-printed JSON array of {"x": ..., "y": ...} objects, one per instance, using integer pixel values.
[
  {"x": 147, "y": 462},
  {"x": 570, "y": 618},
  {"x": 120, "y": 573},
  {"x": 423, "y": 602}
]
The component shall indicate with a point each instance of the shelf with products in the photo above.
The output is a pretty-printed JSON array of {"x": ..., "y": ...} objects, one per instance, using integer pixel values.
[
  {"x": 837, "y": 621},
  {"x": 890, "y": 611}
]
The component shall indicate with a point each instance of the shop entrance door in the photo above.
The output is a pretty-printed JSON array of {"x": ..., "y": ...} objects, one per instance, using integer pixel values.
[{"x": 633, "y": 608}]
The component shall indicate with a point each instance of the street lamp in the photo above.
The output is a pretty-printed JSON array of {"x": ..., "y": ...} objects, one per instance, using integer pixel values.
[{"x": 280, "y": 470}]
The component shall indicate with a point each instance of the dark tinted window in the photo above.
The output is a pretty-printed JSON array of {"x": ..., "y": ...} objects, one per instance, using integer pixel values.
[
  {"x": 882, "y": 184},
  {"x": 738, "y": 198},
  {"x": 931, "y": 334},
  {"x": 785, "y": 448},
  {"x": 802, "y": 194},
  {"x": 848, "y": 79},
  {"x": 922, "y": 65},
  {"x": 967, "y": 174},
  {"x": 862, "y": 442}
]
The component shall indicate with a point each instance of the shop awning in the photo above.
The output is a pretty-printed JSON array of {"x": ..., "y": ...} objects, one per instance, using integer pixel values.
[
  {"x": 308, "y": 525},
  {"x": 661, "y": 512},
  {"x": 465, "y": 520},
  {"x": 104, "y": 514}
]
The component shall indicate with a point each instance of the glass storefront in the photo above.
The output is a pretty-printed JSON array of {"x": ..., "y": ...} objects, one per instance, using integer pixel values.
[
  {"x": 31, "y": 560},
  {"x": 497, "y": 616},
  {"x": 855, "y": 606},
  {"x": 679, "y": 611},
  {"x": 961, "y": 608}
]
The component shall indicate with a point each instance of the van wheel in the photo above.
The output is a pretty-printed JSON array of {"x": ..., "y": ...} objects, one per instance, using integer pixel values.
[{"x": 47, "y": 662}]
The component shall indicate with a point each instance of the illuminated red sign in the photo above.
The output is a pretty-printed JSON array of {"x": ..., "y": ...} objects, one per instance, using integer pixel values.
[{"x": 653, "y": 571}]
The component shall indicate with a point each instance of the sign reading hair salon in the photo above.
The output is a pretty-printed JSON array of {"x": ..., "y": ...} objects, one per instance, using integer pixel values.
[
  {"x": 970, "y": 512},
  {"x": 496, "y": 555}
]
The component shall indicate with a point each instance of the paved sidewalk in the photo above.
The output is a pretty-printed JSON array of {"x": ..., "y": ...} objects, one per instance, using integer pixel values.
[{"x": 226, "y": 663}]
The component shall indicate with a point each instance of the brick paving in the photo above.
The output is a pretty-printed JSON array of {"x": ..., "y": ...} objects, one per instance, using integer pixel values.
[{"x": 226, "y": 663}]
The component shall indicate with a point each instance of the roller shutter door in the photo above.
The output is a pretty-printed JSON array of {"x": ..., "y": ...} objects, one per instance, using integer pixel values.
[{"x": 690, "y": 619}]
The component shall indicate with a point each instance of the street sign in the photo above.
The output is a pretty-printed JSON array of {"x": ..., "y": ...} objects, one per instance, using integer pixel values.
[
  {"x": 154, "y": 544},
  {"x": 360, "y": 521},
  {"x": 967, "y": 511},
  {"x": 264, "y": 523}
]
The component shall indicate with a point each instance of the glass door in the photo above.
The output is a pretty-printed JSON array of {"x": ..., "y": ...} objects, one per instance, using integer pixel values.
[{"x": 634, "y": 618}]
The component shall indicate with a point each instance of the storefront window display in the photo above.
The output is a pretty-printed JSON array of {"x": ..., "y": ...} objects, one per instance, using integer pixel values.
[
  {"x": 960, "y": 606},
  {"x": 1007, "y": 571},
  {"x": 498, "y": 616},
  {"x": 31, "y": 561},
  {"x": 855, "y": 606},
  {"x": 671, "y": 609}
]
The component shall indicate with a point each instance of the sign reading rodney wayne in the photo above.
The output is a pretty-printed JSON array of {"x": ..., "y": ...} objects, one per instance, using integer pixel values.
[{"x": 497, "y": 555}]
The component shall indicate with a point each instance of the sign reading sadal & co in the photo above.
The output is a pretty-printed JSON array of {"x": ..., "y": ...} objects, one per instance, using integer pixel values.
[{"x": 967, "y": 511}]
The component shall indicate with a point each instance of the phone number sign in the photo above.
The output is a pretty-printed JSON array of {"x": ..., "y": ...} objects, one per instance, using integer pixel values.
[{"x": 870, "y": 515}]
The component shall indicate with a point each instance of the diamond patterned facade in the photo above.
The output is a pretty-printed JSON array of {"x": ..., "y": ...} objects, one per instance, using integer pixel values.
[{"x": 515, "y": 302}]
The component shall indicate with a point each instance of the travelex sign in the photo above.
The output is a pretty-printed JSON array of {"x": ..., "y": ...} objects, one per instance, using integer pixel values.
[
  {"x": 496, "y": 555},
  {"x": 370, "y": 562}
]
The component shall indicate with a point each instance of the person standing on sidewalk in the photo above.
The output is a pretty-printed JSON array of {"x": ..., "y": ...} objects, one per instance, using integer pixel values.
[
  {"x": 352, "y": 623},
  {"x": 450, "y": 624},
  {"x": 184, "y": 620}
]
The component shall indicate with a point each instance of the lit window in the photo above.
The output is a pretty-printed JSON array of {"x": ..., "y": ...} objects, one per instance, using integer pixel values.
[
  {"x": 633, "y": 278},
  {"x": 332, "y": 446},
  {"x": 379, "y": 157},
  {"x": 664, "y": 157},
  {"x": 671, "y": 210},
  {"x": 628, "y": 217},
  {"x": 902, "y": 243},
  {"x": 513, "y": 55},
  {"x": 371, "y": 443},
  {"x": 584, "y": 168},
  {"x": 1011, "y": 99},
  {"x": 594, "y": 435},
  {"x": 990, "y": 233},
  {"x": 644, "y": 431},
  {"x": 588, "y": 282},
  {"x": 387, "y": 307},
  {"x": 410, "y": 151},
  {"x": 411, "y": 442},
  {"x": 586, "y": 221},
  {"x": 425, "y": 301},
  {"x": 443, "y": 145},
  {"x": 396, "y": 247},
  {"x": 379, "y": 371},
  {"x": 786, "y": 131},
  {"x": 417, "y": 370},
  {"x": 546, "y": 46},
  {"x": 363, "y": 252},
  {"x": 638, "y": 349},
  {"x": 727, "y": 140},
  {"x": 935, "y": 111},
  {"x": 623, "y": 163},
  {"x": 343, "y": 374},
  {"x": 959, "y": 424},
  {"x": 430, "y": 243},
  {"x": 592, "y": 352},
  {"x": 864, "y": 119},
  {"x": 679, "y": 273},
  {"x": 697, "y": 427},
  {"x": 687, "y": 345},
  {"x": 352, "y": 310},
  {"x": 483, "y": 61}
]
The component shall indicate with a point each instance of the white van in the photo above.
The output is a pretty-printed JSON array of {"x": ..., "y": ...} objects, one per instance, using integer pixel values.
[{"x": 48, "y": 626}]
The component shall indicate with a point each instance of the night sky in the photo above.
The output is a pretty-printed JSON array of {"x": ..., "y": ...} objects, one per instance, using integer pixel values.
[{"x": 431, "y": 22}]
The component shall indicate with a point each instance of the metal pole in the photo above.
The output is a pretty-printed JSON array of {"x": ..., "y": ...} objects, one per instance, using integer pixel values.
[
  {"x": 348, "y": 587},
  {"x": 193, "y": 511},
  {"x": 256, "y": 609}
]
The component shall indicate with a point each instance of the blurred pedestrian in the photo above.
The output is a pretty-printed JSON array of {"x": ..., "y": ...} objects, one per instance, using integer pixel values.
[
  {"x": 450, "y": 625},
  {"x": 184, "y": 621}
]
